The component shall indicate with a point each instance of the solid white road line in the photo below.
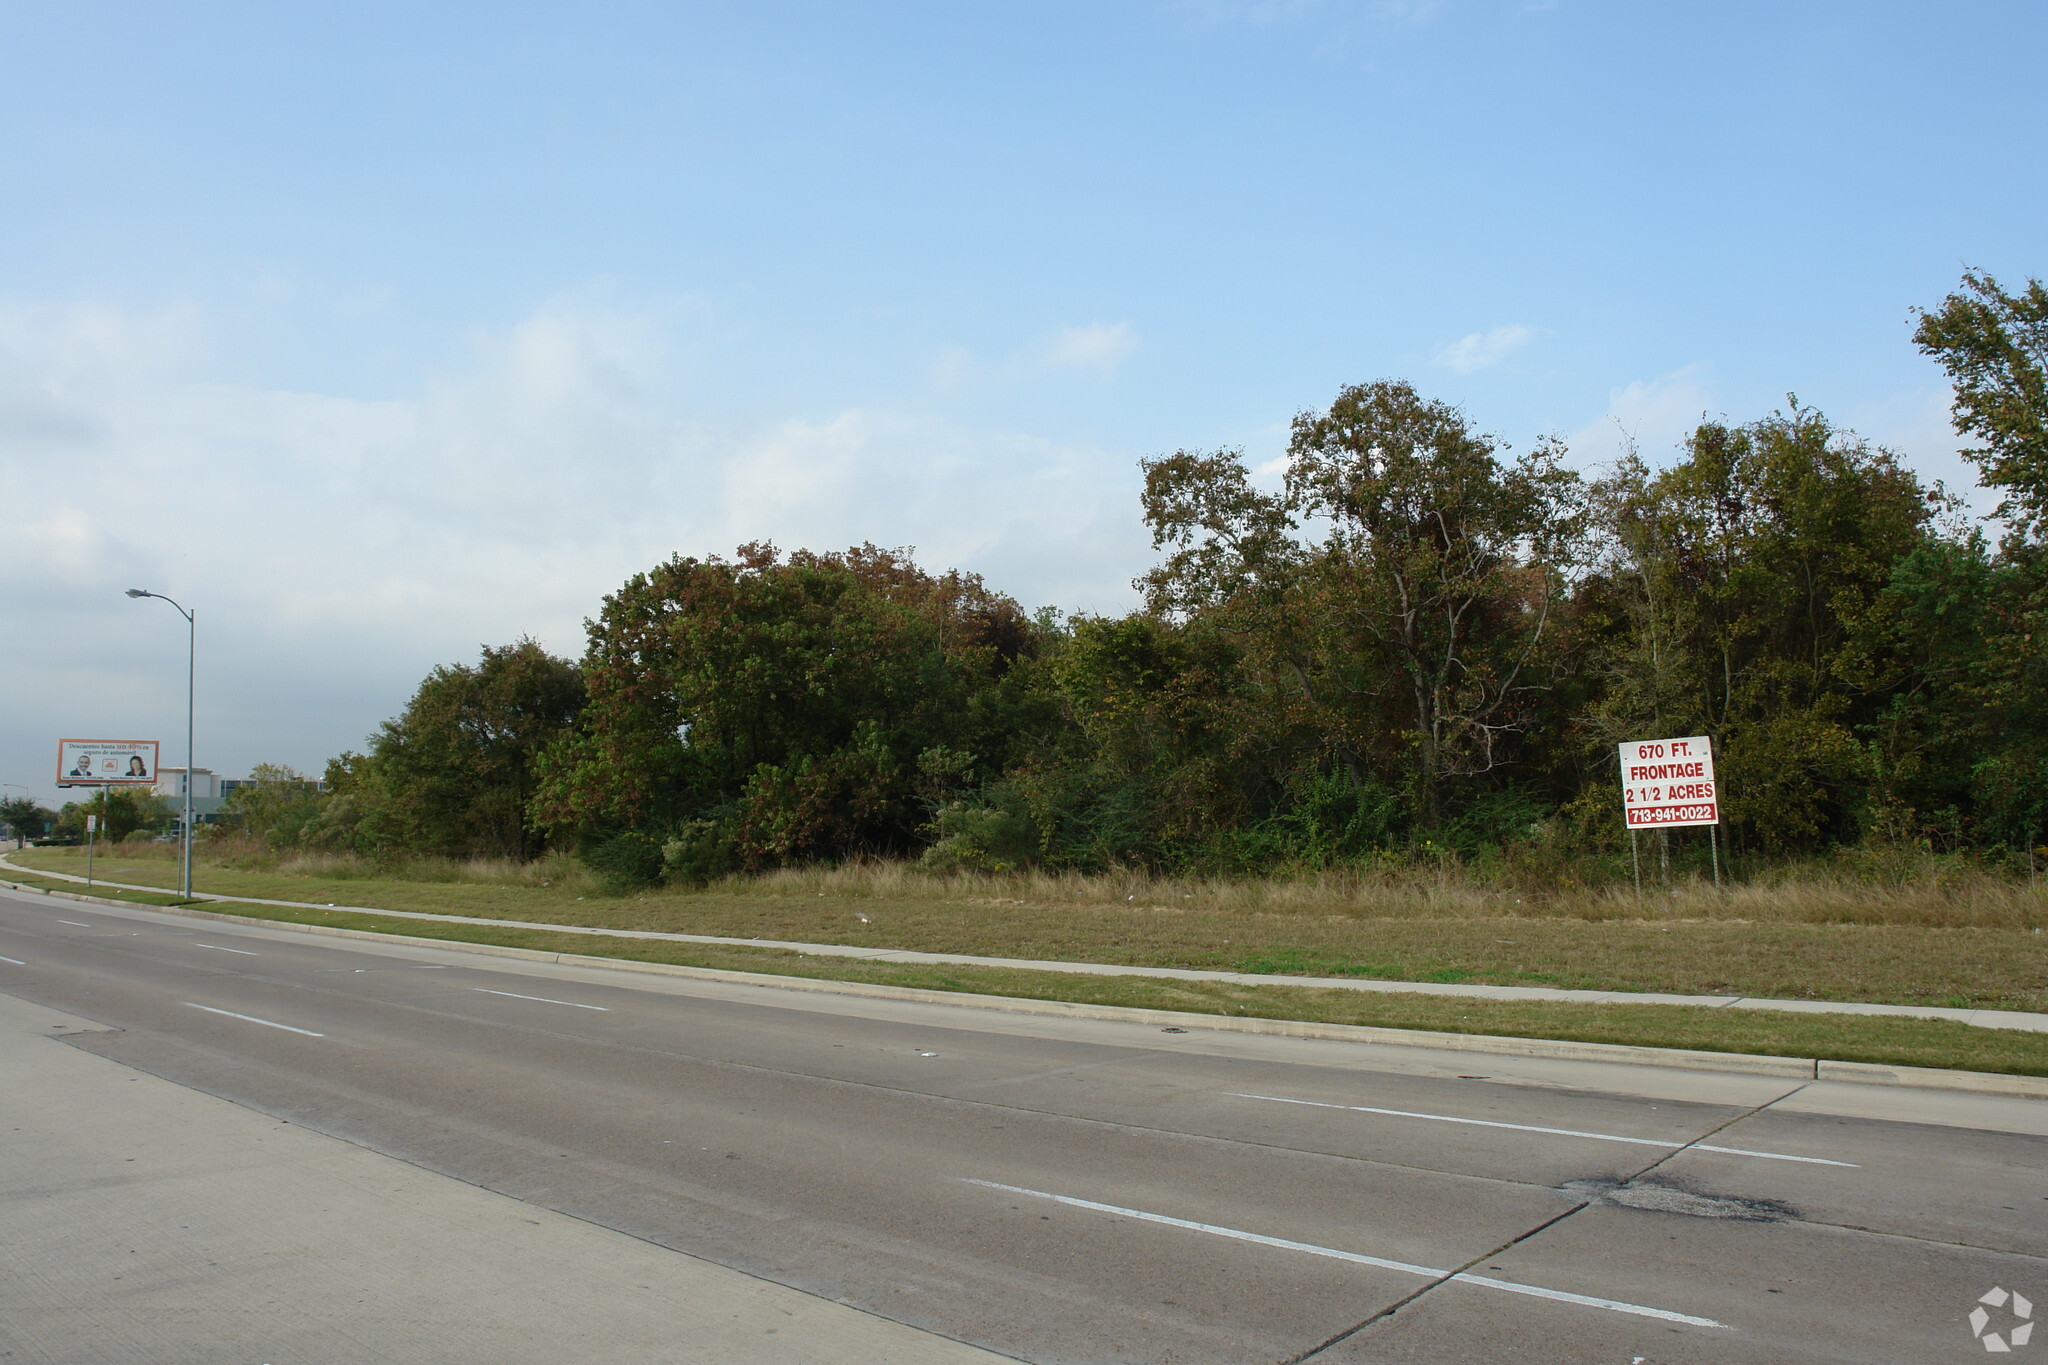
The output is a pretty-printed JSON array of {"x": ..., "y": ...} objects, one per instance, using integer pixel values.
[
  {"x": 1238, "y": 1234},
  {"x": 15, "y": 960},
  {"x": 513, "y": 995},
  {"x": 267, "y": 1023},
  {"x": 218, "y": 949},
  {"x": 1771, "y": 1156},
  {"x": 1554, "y": 1132},
  {"x": 79, "y": 922}
]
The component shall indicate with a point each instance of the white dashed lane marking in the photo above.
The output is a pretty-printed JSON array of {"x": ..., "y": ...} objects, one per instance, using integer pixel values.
[
  {"x": 512, "y": 995},
  {"x": 1357, "y": 1258},
  {"x": 250, "y": 1018},
  {"x": 1552, "y": 1132}
]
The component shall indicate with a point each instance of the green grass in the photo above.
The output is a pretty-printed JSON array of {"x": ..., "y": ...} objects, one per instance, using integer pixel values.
[
  {"x": 1849, "y": 1038},
  {"x": 109, "y": 893},
  {"x": 1402, "y": 936}
]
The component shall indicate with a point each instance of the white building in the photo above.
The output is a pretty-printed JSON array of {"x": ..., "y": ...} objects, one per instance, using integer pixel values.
[
  {"x": 206, "y": 793},
  {"x": 171, "y": 782}
]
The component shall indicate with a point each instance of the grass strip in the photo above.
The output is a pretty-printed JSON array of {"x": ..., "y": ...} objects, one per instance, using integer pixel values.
[
  {"x": 1895, "y": 964},
  {"x": 1889, "y": 1041},
  {"x": 96, "y": 889}
]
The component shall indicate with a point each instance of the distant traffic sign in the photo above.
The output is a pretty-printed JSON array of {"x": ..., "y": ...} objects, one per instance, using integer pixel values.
[
  {"x": 1666, "y": 782},
  {"x": 106, "y": 762}
]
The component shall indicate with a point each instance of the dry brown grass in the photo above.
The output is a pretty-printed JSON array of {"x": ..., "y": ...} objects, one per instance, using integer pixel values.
[
  {"x": 1924, "y": 892},
  {"x": 1926, "y": 933}
]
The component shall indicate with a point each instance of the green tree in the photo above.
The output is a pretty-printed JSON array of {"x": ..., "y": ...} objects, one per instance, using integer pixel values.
[
  {"x": 455, "y": 773},
  {"x": 1160, "y": 753},
  {"x": 1745, "y": 576},
  {"x": 275, "y": 806},
  {"x": 1994, "y": 346},
  {"x": 122, "y": 811},
  {"x": 1406, "y": 578},
  {"x": 28, "y": 818},
  {"x": 787, "y": 701}
]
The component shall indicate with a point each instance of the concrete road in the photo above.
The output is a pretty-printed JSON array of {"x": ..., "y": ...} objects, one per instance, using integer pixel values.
[{"x": 1057, "y": 1190}]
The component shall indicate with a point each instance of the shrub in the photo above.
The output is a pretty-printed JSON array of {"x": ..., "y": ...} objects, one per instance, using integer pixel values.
[
  {"x": 700, "y": 852},
  {"x": 980, "y": 839},
  {"x": 626, "y": 862}
]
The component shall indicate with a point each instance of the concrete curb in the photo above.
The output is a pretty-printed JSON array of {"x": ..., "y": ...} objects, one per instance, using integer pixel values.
[
  {"x": 2022, "y": 1020},
  {"x": 1741, "y": 1063}
]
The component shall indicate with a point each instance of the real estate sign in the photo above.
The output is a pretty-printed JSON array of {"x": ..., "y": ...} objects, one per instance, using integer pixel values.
[
  {"x": 106, "y": 762},
  {"x": 1666, "y": 782}
]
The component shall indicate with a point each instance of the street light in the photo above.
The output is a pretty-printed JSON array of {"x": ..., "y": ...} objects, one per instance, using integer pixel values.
[{"x": 191, "y": 678}]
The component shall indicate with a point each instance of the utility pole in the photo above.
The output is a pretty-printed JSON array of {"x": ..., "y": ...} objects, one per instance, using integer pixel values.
[{"x": 191, "y": 691}]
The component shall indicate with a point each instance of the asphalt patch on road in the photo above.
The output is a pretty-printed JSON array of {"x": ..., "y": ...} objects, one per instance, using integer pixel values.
[{"x": 1670, "y": 1196}]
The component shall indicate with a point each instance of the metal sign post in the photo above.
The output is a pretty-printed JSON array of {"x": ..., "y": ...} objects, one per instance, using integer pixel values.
[
  {"x": 1667, "y": 783},
  {"x": 92, "y": 824}
]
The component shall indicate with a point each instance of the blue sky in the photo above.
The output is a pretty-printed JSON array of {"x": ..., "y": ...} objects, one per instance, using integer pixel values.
[{"x": 384, "y": 331}]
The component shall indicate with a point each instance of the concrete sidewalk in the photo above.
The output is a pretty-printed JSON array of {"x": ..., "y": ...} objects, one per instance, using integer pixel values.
[
  {"x": 147, "y": 1223},
  {"x": 2003, "y": 1019}
]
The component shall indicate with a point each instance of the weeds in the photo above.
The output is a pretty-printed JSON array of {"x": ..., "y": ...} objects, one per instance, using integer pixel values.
[
  {"x": 1881, "y": 887},
  {"x": 1929, "y": 891},
  {"x": 1940, "y": 931}
]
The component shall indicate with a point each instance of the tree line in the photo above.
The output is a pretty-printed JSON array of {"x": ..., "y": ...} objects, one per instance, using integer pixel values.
[{"x": 1421, "y": 638}]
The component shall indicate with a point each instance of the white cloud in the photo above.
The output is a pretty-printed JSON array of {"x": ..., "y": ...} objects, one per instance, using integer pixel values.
[
  {"x": 954, "y": 370},
  {"x": 1098, "y": 346},
  {"x": 1919, "y": 428},
  {"x": 1659, "y": 414},
  {"x": 1655, "y": 415},
  {"x": 1482, "y": 349},
  {"x": 335, "y": 548}
]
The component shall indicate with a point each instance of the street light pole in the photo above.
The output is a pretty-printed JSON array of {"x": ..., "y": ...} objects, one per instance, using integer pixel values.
[{"x": 191, "y": 691}]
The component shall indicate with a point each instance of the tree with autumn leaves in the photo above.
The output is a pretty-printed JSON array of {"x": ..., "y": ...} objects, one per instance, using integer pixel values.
[
  {"x": 1415, "y": 635},
  {"x": 788, "y": 709}
]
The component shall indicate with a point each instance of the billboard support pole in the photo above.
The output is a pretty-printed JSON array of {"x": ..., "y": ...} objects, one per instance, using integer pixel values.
[
  {"x": 1714, "y": 838},
  {"x": 1635, "y": 856}
]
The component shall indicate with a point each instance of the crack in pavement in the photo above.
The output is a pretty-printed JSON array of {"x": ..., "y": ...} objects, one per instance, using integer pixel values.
[{"x": 1517, "y": 1240}]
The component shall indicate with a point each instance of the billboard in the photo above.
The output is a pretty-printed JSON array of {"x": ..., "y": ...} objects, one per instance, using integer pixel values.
[
  {"x": 1666, "y": 782},
  {"x": 106, "y": 762}
]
